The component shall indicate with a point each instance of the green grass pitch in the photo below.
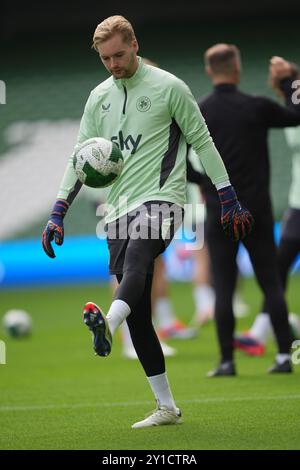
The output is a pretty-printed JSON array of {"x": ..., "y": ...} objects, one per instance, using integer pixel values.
[{"x": 55, "y": 394}]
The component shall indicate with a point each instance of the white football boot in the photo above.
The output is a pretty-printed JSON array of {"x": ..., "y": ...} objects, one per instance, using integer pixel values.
[{"x": 160, "y": 417}]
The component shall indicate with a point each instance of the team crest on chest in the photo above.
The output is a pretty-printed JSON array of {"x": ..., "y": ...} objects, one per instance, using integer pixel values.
[{"x": 143, "y": 104}]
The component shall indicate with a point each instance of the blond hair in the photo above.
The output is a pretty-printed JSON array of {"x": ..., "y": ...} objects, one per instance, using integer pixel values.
[
  {"x": 111, "y": 26},
  {"x": 221, "y": 58}
]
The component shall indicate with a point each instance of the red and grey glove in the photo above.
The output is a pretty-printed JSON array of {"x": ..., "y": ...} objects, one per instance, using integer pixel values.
[
  {"x": 237, "y": 221},
  {"x": 54, "y": 229}
]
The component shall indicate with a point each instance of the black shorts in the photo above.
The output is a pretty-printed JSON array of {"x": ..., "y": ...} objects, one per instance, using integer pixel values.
[
  {"x": 291, "y": 224},
  {"x": 158, "y": 220}
]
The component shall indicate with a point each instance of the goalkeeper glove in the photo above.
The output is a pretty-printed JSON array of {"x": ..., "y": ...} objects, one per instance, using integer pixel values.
[
  {"x": 54, "y": 229},
  {"x": 237, "y": 221}
]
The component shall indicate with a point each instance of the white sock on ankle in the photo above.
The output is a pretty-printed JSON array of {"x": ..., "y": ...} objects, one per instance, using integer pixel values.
[
  {"x": 119, "y": 310},
  {"x": 161, "y": 389}
]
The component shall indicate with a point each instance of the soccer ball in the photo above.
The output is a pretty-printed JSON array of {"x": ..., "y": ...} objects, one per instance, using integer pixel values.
[
  {"x": 294, "y": 321},
  {"x": 98, "y": 162},
  {"x": 17, "y": 323}
]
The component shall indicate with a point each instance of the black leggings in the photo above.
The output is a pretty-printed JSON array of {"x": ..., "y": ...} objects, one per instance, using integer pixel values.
[
  {"x": 287, "y": 251},
  {"x": 135, "y": 289},
  {"x": 261, "y": 248}
]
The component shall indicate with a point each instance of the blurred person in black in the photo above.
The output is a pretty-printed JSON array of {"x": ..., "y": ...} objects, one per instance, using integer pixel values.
[
  {"x": 239, "y": 125},
  {"x": 282, "y": 76}
]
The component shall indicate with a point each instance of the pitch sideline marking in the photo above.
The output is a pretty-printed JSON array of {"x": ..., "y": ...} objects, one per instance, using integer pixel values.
[{"x": 141, "y": 403}]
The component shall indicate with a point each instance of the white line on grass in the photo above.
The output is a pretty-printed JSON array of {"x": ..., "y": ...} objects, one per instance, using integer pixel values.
[{"x": 125, "y": 404}]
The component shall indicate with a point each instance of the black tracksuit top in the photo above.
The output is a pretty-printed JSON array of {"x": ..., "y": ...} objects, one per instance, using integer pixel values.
[{"x": 239, "y": 124}]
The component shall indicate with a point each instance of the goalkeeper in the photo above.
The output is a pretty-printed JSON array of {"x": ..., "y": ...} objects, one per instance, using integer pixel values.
[{"x": 152, "y": 116}]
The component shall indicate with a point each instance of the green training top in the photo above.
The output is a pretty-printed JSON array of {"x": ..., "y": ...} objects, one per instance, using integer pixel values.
[
  {"x": 293, "y": 139},
  {"x": 151, "y": 116}
]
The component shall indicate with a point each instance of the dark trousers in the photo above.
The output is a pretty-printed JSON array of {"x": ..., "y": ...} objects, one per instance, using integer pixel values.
[
  {"x": 261, "y": 247},
  {"x": 287, "y": 252}
]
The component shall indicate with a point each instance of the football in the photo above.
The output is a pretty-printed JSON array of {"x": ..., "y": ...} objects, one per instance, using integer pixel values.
[
  {"x": 98, "y": 162},
  {"x": 17, "y": 323}
]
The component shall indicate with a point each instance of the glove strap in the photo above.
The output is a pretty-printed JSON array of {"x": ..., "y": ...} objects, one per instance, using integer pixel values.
[
  {"x": 59, "y": 209},
  {"x": 227, "y": 196}
]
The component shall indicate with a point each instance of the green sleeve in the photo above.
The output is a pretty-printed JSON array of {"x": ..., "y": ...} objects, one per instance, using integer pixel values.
[
  {"x": 86, "y": 131},
  {"x": 185, "y": 110}
]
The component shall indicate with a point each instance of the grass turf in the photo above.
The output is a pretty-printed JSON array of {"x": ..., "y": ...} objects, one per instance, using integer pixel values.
[{"x": 55, "y": 394}]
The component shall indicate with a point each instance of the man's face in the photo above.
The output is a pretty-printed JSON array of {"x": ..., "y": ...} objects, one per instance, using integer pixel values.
[{"x": 119, "y": 57}]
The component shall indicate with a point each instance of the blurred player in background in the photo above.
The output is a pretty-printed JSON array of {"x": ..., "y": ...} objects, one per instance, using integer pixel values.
[
  {"x": 239, "y": 125},
  {"x": 152, "y": 115},
  {"x": 203, "y": 292},
  {"x": 203, "y": 289},
  {"x": 282, "y": 74}
]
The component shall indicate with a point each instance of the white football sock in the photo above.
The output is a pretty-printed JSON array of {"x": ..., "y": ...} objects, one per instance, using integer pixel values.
[
  {"x": 164, "y": 313},
  {"x": 281, "y": 358},
  {"x": 161, "y": 389},
  {"x": 204, "y": 297},
  {"x": 119, "y": 310},
  {"x": 261, "y": 327}
]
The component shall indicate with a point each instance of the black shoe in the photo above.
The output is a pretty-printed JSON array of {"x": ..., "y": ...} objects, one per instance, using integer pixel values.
[
  {"x": 223, "y": 370},
  {"x": 97, "y": 324},
  {"x": 283, "y": 368}
]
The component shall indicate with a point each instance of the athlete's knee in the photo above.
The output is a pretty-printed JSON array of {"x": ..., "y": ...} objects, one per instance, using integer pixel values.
[
  {"x": 134, "y": 280},
  {"x": 131, "y": 288}
]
